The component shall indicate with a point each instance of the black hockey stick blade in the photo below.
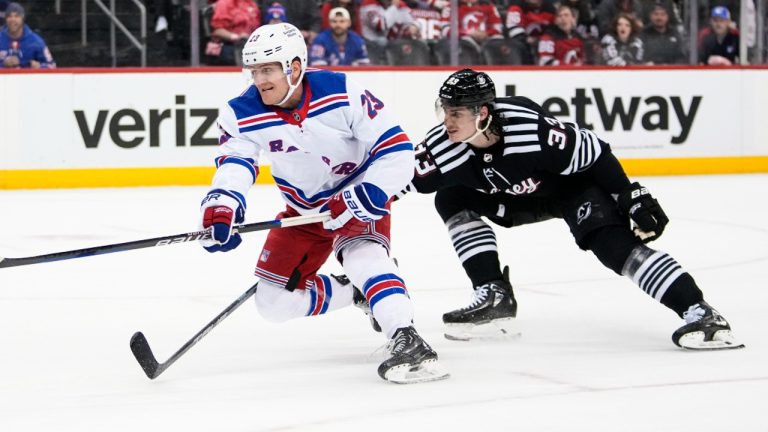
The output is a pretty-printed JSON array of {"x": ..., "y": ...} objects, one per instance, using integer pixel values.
[
  {"x": 148, "y": 362},
  {"x": 159, "y": 241},
  {"x": 143, "y": 353}
]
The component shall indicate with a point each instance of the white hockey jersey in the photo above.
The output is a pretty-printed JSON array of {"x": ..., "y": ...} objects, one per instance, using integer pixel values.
[{"x": 340, "y": 134}]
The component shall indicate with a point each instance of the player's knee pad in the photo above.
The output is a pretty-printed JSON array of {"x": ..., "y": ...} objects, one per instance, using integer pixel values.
[
  {"x": 276, "y": 304},
  {"x": 449, "y": 202},
  {"x": 612, "y": 245}
]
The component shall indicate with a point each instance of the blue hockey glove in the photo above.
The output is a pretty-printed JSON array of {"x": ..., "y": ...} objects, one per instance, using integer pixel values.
[
  {"x": 221, "y": 209},
  {"x": 354, "y": 208}
]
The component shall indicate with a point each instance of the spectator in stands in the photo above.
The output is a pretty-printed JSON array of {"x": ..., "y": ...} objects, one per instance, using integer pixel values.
[
  {"x": 529, "y": 19},
  {"x": 526, "y": 22},
  {"x": 661, "y": 41},
  {"x": 479, "y": 21},
  {"x": 608, "y": 10},
  {"x": 350, "y": 5},
  {"x": 338, "y": 46},
  {"x": 586, "y": 17},
  {"x": 719, "y": 43},
  {"x": 431, "y": 18},
  {"x": 560, "y": 44},
  {"x": 649, "y": 6},
  {"x": 382, "y": 20},
  {"x": 586, "y": 27},
  {"x": 275, "y": 14},
  {"x": 304, "y": 14},
  {"x": 622, "y": 46},
  {"x": 20, "y": 47},
  {"x": 233, "y": 22}
]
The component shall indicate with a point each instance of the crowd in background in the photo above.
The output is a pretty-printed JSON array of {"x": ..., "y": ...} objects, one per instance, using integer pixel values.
[
  {"x": 532, "y": 32},
  {"x": 416, "y": 32}
]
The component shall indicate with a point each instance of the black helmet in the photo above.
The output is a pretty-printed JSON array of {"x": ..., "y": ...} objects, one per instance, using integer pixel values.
[{"x": 467, "y": 88}]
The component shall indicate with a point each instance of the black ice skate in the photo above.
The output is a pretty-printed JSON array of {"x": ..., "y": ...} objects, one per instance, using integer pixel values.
[
  {"x": 706, "y": 329},
  {"x": 412, "y": 361},
  {"x": 489, "y": 316},
  {"x": 359, "y": 301}
]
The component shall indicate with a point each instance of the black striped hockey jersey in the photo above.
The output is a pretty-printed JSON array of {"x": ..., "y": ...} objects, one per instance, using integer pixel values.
[{"x": 535, "y": 150}]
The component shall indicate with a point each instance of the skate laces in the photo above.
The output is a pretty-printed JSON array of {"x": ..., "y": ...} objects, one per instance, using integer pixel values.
[
  {"x": 401, "y": 341},
  {"x": 694, "y": 313},
  {"x": 479, "y": 295}
]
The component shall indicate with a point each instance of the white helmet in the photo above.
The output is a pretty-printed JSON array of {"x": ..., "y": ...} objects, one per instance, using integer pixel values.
[{"x": 279, "y": 43}]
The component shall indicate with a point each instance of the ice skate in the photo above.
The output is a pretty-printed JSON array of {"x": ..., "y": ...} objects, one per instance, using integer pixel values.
[
  {"x": 359, "y": 301},
  {"x": 412, "y": 361},
  {"x": 490, "y": 315},
  {"x": 706, "y": 329}
]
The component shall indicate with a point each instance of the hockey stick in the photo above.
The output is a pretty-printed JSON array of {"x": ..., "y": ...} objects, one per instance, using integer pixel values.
[
  {"x": 161, "y": 241},
  {"x": 143, "y": 353}
]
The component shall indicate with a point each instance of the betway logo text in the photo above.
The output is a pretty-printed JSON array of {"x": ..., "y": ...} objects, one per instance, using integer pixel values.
[
  {"x": 129, "y": 128},
  {"x": 659, "y": 111}
]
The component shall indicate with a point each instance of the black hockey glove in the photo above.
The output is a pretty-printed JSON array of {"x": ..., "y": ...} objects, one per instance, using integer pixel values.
[{"x": 649, "y": 219}]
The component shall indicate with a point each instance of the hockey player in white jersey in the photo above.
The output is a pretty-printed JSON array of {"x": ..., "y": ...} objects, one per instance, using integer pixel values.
[
  {"x": 333, "y": 146},
  {"x": 509, "y": 161}
]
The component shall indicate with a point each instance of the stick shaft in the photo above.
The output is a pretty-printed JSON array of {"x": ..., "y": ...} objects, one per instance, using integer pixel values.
[{"x": 159, "y": 241}]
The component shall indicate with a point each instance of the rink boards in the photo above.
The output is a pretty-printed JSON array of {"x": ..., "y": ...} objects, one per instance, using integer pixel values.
[{"x": 143, "y": 127}]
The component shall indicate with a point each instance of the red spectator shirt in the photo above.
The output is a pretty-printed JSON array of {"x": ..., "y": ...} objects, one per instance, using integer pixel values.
[
  {"x": 431, "y": 23},
  {"x": 528, "y": 21},
  {"x": 477, "y": 16},
  {"x": 236, "y": 16},
  {"x": 558, "y": 48}
]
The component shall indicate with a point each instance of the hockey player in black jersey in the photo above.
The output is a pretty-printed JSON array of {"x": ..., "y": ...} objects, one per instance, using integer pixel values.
[{"x": 508, "y": 161}]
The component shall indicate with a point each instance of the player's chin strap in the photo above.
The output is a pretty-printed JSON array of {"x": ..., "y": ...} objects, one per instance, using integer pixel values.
[
  {"x": 291, "y": 87},
  {"x": 478, "y": 129}
]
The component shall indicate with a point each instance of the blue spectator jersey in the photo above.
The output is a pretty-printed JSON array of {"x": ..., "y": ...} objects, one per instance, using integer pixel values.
[
  {"x": 27, "y": 48},
  {"x": 326, "y": 52}
]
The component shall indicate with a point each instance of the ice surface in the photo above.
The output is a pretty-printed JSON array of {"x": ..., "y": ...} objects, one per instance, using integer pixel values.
[{"x": 595, "y": 354}]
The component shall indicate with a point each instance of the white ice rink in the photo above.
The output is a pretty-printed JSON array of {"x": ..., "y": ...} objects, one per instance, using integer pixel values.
[{"x": 595, "y": 352}]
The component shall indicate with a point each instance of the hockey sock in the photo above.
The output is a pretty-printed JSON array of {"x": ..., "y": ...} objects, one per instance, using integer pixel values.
[
  {"x": 369, "y": 267},
  {"x": 327, "y": 295},
  {"x": 483, "y": 268},
  {"x": 682, "y": 294},
  {"x": 475, "y": 244},
  {"x": 275, "y": 303},
  {"x": 661, "y": 277}
]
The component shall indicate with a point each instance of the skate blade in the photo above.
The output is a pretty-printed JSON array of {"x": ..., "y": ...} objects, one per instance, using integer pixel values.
[
  {"x": 721, "y": 340},
  {"x": 500, "y": 329},
  {"x": 428, "y": 370}
]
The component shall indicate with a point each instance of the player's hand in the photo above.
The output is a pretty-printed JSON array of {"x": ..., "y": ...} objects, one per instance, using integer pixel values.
[
  {"x": 220, "y": 210},
  {"x": 11, "y": 61},
  {"x": 636, "y": 202},
  {"x": 354, "y": 208}
]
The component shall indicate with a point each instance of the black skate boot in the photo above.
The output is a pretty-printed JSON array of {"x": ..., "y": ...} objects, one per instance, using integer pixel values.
[
  {"x": 362, "y": 304},
  {"x": 359, "y": 301},
  {"x": 412, "y": 359},
  {"x": 488, "y": 316},
  {"x": 706, "y": 329}
]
